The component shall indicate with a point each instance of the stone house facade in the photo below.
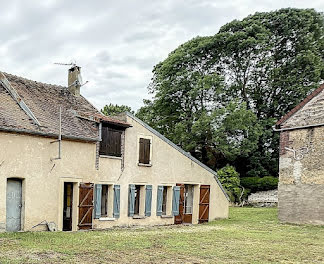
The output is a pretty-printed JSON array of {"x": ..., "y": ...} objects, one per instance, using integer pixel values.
[
  {"x": 63, "y": 162},
  {"x": 301, "y": 163}
]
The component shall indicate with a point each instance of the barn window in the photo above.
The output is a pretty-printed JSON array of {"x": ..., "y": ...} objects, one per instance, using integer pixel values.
[
  {"x": 111, "y": 139},
  {"x": 145, "y": 151}
]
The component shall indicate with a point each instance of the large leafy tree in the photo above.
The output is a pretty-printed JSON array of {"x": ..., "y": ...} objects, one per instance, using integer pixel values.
[{"x": 219, "y": 96}]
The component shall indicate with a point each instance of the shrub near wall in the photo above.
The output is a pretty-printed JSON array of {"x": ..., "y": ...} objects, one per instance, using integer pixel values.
[{"x": 256, "y": 184}]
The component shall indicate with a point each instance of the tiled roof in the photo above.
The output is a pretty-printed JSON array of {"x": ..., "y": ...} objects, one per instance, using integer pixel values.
[
  {"x": 45, "y": 100},
  {"x": 311, "y": 117}
]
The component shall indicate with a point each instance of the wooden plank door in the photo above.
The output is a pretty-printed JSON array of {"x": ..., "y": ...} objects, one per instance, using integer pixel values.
[
  {"x": 204, "y": 203},
  {"x": 178, "y": 219},
  {"x": 85, "y": 205}
]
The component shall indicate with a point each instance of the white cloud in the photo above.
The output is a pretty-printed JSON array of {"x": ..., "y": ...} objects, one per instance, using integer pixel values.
[{"x": 116, "y": 43}]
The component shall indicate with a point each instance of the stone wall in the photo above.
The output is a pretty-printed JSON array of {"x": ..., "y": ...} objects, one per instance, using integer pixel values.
[
  {"x": 265, "y": 198},
  {"x": 301, "y": 177}
]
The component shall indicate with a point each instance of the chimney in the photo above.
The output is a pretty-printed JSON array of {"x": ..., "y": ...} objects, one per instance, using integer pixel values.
[{"x": 74, "y": 80}]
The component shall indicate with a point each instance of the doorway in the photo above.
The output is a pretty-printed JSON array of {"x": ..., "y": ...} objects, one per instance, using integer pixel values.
[
  {"x": 67, "y": 206},
  {"x": 13, "y": 205},
  {"x": 185, "y": 204}
]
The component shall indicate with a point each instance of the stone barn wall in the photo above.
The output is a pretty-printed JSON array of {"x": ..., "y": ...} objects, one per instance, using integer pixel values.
[{"x": 301, "y": 179}]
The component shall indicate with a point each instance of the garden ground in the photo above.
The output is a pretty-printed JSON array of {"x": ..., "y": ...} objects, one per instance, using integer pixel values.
[{"x": 250, "y": 235}]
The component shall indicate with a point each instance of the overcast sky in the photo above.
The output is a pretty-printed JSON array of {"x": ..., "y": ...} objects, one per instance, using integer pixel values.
[{"x": 116, "y": 43}]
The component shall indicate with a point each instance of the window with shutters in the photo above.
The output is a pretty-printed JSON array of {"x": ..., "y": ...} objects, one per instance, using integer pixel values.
[
  {"x": 138, "y": 207},
  {"x": 145, "y": 151},
  {"x": 164, "y": 201},
  {"x": 104, "y": 201},
  {"x": 111, "y": 141}
]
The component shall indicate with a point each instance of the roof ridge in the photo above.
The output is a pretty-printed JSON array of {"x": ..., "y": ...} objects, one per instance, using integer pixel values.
[
  {"x": 300, "y": 105},
  {"x": 33, "y": 81},
  {"x": 183, "y": 152}
]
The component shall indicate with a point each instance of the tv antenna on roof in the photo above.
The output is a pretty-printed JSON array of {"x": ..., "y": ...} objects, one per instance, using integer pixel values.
[{"x": 73, "y": 64}]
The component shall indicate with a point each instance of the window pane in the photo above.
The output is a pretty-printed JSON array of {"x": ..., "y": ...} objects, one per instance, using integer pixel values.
[
  {"x": 137, "y": 199},
  {"x": 104, "y": 200},
  {"x": 164, "y": 201},
  {"x": 188, "y": 202}
]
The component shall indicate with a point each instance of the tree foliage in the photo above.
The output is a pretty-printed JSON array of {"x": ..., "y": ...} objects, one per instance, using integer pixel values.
[
  {"x": 114, "y": 109},
  {"x": 230, "y": 179},
  {"x": 219, "y": 96}
]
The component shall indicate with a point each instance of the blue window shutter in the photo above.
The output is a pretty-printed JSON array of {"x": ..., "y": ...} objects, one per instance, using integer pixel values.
[
  {"x": 159, "y": 201},
  {"x": 176, "y": 200},
  {"x": 131, "y": 200},
  {"x": 148, "y": 200},
  {"x": 116, "y": 211},
  {"x": 97, "y": 207}
]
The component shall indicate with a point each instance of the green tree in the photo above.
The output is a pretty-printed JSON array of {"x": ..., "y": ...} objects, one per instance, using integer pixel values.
[
  {"x": 219, "y": 96},
  {"x": 112, "y": 109},
  {"x": 230, "y": 179}
]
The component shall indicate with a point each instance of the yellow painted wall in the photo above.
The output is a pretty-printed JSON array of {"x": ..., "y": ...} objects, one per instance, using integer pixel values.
[{"x": 29, "y": 158}]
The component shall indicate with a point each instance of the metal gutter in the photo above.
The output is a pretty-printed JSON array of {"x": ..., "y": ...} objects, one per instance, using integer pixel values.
[
  {"x": 179, "y": 149},
  {"x": 6, "y": 84},
  {"x": 295, "y": 128},
  {"x": 50, "y": 135}
]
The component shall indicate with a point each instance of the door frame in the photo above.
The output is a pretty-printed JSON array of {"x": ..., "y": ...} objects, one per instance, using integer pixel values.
[
  {"x": 22, "y": 208},
  {"x": 204, "y": 206},
  {"x": 75, "y": 202},
  {"x": 193, "y": 217},
  {"x": 64, "y": 203}
]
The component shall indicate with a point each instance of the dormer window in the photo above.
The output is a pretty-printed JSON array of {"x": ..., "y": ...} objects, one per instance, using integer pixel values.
[{"x": 111, "y": 140}]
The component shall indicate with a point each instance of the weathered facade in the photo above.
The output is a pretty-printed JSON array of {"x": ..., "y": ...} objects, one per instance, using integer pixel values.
[
  {"x": 98, "y": 172},
  {"x": 301, "y": 175}
]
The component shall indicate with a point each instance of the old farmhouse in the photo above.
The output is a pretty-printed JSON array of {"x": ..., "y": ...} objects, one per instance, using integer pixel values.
[
  {"x": 301, "y": 172},
  {"x": 63, "y": 162}
]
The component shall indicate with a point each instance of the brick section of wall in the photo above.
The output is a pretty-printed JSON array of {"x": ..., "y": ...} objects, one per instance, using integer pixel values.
[
  {"x": 301, "y": 203},
  {"x": 284, "y": 142},
  {"x": 97, "y": 155},
  {"x": 123, "y": 150}
]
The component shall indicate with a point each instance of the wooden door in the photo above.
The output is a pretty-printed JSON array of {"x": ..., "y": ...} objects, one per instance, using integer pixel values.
[
  {"x": 204, "y": 203},
  {"x": 85, "y": 205},
  {"x": 14, "y": 204},
  {"x": 178, "y": 219}
]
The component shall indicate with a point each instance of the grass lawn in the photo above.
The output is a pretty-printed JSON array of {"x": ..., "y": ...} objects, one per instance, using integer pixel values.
[{"x": 250, "y": 235}]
